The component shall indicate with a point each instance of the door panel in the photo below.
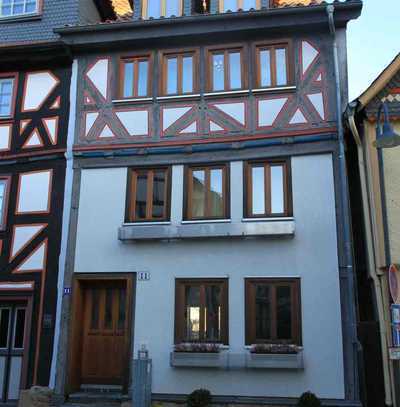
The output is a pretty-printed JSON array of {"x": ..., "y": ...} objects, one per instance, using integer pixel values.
[{"x": 105, "y": 333}]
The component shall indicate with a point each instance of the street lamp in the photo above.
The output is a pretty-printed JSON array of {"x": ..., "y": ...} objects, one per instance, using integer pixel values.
[{"x": 386, "y": 137}]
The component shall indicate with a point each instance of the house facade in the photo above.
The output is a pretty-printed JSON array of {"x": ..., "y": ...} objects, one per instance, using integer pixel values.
[
  {"x": 205, "y": 226},
  {"x": 35, "y": 78},
  {"x": 374, "y": 172}
]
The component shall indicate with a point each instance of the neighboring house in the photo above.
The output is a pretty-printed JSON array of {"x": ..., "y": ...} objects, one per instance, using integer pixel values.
[
  {"x": 35, "y": 76},
  {"x": 206, "y": 204},
  {"x": 374, "y": 174}
]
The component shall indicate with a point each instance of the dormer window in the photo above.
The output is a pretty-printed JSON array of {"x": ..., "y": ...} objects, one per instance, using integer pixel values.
[
  {"x": 10, "y": 8},
  {"x": 161, "y": 8},
  {"x": 234, "y": 5}
]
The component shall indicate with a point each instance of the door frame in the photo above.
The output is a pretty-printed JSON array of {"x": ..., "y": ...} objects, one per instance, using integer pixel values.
[
  {"x": 73, "y": 381},
  {"x": 28, "y": 300}
]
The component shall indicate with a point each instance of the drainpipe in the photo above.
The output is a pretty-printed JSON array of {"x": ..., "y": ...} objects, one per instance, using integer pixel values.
[
  {"x": 347, "y": 266},
  {"x": 371, "y": 255}
]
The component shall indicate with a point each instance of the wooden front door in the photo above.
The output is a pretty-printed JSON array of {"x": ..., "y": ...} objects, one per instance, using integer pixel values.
[{"x": 105, "y": 334}]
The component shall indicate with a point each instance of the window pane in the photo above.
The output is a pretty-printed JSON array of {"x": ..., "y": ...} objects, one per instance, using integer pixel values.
[
  {"x": 258, "y": 191},
  {"x": 128, "y": 79},
  {"x": 263, "y": 312},
  {"x": 6, "y": 88},
  {"x": 212, "y": 313},
  {"x": 18, "y": 7},
  {"x": 192, "y": 313},
  {"x": 218, "y": 71},
  {"x": 95, "y": 308},
  {"x": 4, "y": 327},
  {"x": 172, "y": 76},
  {"x": 154, "y": 8},
  {"x": 281, "y": 76},
  {"x": 142, "y": 80},
  {"x": 172, "y": 8},
  {"x": 199, "y": 194},
  {"x": 121, "y": 308},
  {"x": 265, "y": 66},
  {"x": 30, "y": 6},
  {"x": 19, "y": 328},
  {"x": 235, "y": 70},
  {"x": 187, "y": 74},
  {"x": 2, "y": 197},
  {"x": 159, "y": 180},
  {"x": 108, "y": 318},
  {"x": 230, "y": 5},
  {"x": 248, "y": 4},
  {"x": 216, "y": 193},
  {"x": 284, "y": 312},
  {"x": 277, "y": 193},
  {"x": 141, "y": 195}
]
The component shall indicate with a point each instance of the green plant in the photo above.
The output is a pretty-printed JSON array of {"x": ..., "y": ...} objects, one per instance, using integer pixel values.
[
  {"x": 199, "y": 398},
  {"x": 308, "y": 399}
]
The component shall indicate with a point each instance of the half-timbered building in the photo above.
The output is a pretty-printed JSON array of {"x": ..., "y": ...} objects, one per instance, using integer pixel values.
[{"x": 206, "y": 217}]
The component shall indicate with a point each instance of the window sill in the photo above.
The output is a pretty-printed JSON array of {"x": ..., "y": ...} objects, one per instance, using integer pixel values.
[
  {"x": 127, "y": 224},
  {"x": 131, "y": 100},
  {"x": 11, "y": 19},
  {"x": 227, "y": 93},
  {"x": 178, "y": 97},
  {"x": 277, "y": 89},
  {"x": 272, "y": 219},
  {"x": 198, "y": 221},
  {"x": 275, "y": 361}
]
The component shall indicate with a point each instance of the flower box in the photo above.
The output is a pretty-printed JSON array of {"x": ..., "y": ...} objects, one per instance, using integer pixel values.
[
  {"x": 199, "y": 355},
  {"x": 275, "y": 360}
]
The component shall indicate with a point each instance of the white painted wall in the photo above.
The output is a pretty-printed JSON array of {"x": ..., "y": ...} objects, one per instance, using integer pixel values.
[{"x": 311, "y": 255}]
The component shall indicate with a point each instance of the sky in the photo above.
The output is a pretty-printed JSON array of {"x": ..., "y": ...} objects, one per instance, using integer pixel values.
[{"x": 373, "y": 42}]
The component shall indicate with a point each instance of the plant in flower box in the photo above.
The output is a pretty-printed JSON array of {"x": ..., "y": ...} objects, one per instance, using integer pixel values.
[
  {"x": 198, "y": 347},
  {"x": 274, "y": 349}
]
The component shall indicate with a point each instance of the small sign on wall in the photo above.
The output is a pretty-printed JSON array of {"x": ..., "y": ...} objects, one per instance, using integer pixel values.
[
  {"x": 143, "y": 275},
  {"x": 394, "y": 353}
]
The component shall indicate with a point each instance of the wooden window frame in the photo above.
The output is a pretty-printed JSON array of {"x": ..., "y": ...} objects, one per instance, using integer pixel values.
[
  {"x": 135, "y": 59},
  {"x": 272, "y": 47},
  {"x": 210, "y": 51},
  {"x": 287, "y": 189},
  {"x": 189, "y": 190},
  {"x": 239, "y": 5},
  {"x": 3, "y": 213},
  {"x": 14, "y": 77},
  {"x": 179, "y": 54},
  {"x": 163, "y": 9},
  {"x": 180, "y": 284},
  {"x": 250, "y": 310},
  {"x": 131, "y": 200}
]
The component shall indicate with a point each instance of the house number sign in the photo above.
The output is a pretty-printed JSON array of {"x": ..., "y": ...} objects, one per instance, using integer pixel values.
[{"x": 143, "y": 276}]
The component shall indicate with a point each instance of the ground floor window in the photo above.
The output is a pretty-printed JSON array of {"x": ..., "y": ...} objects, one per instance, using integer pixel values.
[
  {"x": 201, "y": 310},
  {"x": 273, "y": 310}
]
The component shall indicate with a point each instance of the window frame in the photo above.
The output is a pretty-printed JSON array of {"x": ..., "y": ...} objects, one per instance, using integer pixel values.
[
  {"x": 250, "y": 312},
  {"x": 287, "y": 188},
  {"x": 163, "y": 8},
  {"x": 14, "y": 77},
  {"x": 136, "y": 59},
  {"x": 179, "y": 318},
  {"x": 131, "y": 203},
  {"x": 232, "y": 48},
  {"x": 274, "y": 45},
  {"x": 179, "y": 54},
  {"x": 188, "y": 190},
  {"x": 4, "y": 209},
  {"x": 38, "y": 11},
  {"x": 239, "y": 6}
]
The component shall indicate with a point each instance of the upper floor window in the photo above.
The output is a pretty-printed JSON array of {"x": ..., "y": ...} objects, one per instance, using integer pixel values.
[
  {"x": 148, "y": 196},
  {"x": 226, "y": 71},
  {"x": 10, "y": 8},
  {"x": 135, "y": 77},
  {"x": 179, "y": 73},
  {"x": 273, "y": 68},
  {"x": 234, "y": 5},
  {"x": 4, "y": 185},
  {"x": 6, "y": 96},
  {"x": 158, "y": 8},
  {"x": 273, "y": 311},
  {"x": 207, "y": 191},
  {"x": 201, "y": 310},
  {"x": 268, "y": 189}
]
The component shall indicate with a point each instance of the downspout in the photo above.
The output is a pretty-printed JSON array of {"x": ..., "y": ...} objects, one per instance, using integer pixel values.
[
  {"x": 371, "y": 257},
  {"x": 347, "y": 267}
]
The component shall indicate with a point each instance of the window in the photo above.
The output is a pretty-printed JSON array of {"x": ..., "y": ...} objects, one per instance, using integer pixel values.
[
  {"x": 207, "y": 191},
  {"x": 135, "y": 77},
  {"x": 201, "y": 310},
  {"x": 273, "y": 68},
  {"x": 6, "y": 96},
  {"x": 267, "y": 189},
  {"x": 273, "y": 311},
  {"x": 4, "y": 183},
  {"x": 225, "y": 70},
  {"x": 234, "y": 5},
  {"x": 179, "y": 73},
  {"x": 161, "y": 8},
  {"x": 148, "y": 198},
  {"x": 10, "y": 8}
]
